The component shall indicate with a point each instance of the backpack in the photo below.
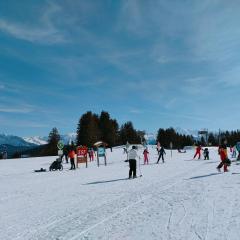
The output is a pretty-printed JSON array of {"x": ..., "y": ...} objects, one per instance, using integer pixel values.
[{"x": 227, "y": 162}]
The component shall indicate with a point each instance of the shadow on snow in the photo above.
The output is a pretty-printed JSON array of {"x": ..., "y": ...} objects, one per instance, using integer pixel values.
[
  {"x": 203, "y": 176},
  {"x": 108, "y": 181}
]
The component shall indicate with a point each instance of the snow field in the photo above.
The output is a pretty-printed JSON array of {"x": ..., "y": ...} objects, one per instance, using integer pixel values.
[{"x": 180, "y": 199}]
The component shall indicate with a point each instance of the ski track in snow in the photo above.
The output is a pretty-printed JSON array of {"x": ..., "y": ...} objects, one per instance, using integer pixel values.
[{"x": 177, "y": 200}]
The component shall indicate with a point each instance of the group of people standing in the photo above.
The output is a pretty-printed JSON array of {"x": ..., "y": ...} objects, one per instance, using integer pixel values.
[
  {"x": 161, "y": 153},
  {"x": 69, "y": 153},
  {"x": 133, "y": 157},
  {"x": 198, "y": 153},
  {"x": 222, "y": 151}
]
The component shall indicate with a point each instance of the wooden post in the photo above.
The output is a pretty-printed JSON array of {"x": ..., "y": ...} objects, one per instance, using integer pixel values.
[
  {"x": 171, "y": 147},
  {"x": 97, "y": 157}
]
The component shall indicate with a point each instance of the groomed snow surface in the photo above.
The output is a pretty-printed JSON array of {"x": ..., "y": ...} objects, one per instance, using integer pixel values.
[{"x": 181, "y": 199}]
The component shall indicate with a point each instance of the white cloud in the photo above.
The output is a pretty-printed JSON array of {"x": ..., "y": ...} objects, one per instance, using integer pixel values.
[
  {"x": 10, "y": 122},
  {"x": 136, "y": 111},
  {"x": 43, "y": 32},
  {"x": 13, "y": 105},
  {"x": 15, "y": 110}
]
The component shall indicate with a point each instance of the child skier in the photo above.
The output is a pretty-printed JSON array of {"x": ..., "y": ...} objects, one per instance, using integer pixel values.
[
  {"x": 225, "y": 162},
  {"x": 145, "y": 155},
  {"x": 161, "y": 154},
  {"x": 198, "y": 152},
  {"x": 206, "y": 154}
]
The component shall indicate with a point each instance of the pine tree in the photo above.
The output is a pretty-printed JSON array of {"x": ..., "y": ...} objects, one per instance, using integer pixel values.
[
  {"x": 116, "y": 131},
  {"x": 129, "y": 134},
  {"x": 107, "y": 129},
  {"x": 88, "y": 131},
  {"x": 165, "y": 136},
  {"x": 53, "y": 139},
  {"x": 212, "y": 139}
]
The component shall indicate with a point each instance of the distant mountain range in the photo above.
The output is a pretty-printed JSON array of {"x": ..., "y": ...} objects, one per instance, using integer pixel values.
[
  {"x": 13, "y": 144},
  {"x": 150, "y": 138},
  {"x": 189, "y": 132},
  {"x": 36, "y": 140},
  {"x": 32, "y": 141},
  {"x": 14, "y": 141}
]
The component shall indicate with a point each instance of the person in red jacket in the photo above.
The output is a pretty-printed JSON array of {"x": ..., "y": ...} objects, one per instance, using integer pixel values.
[
  {"x": 198, "y": 152},
  {"x": 71, "y": 155},
  {"x": 145, "y": 154},
  {"x": 224, "y": 159}
]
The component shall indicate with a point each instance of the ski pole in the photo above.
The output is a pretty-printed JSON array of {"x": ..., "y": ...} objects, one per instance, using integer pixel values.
[{"x": 139, "y": 167}]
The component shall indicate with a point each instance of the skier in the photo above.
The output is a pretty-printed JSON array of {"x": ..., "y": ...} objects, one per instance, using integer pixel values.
[
  {"x": 132, "y": 155},
  {"x": 71, "y": 155},
  {"x": 161, "y": 154},
  {"x": 225, "y": 162},
  {"x": 91, "y": 154},
  {"x": 206, "y": 154},
  {"x": 145, "y": 154},
  {"x": 234, "y": 152},
  {"x": 237, "y": 147},
  {"x": 158, "y": 147},
  {"x": 198, "y": 152},
  {"x": 65, "y": 154}
]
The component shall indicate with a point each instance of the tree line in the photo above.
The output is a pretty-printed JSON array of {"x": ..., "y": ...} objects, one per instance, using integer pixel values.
[
  {"x": 92, "y": 127},
  {"x": 229, "y": 137},
  {"x": 169, "y": 135},
  {"x": 165, "y": 136}
]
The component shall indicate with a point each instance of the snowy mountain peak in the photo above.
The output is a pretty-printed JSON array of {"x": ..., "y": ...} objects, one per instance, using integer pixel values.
[
  {"x": 68, "y": 138},
  {"x": 36, "y": 140},
  {"x": 189, "y": 132},
  {"x": 150, "y": 138}
]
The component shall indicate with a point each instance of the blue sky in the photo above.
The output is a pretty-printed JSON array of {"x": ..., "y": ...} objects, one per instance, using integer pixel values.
[{"x": 155, "y": 63}]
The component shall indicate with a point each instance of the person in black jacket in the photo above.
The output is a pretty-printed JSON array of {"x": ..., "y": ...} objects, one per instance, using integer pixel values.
[
  {"x": 206, "y": 154},
  {"x": 65, "y": 153},
  {"x": 161, "y": 154}
]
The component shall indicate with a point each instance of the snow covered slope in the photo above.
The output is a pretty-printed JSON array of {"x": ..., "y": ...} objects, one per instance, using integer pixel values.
[{"x": 182, "y": 199}]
